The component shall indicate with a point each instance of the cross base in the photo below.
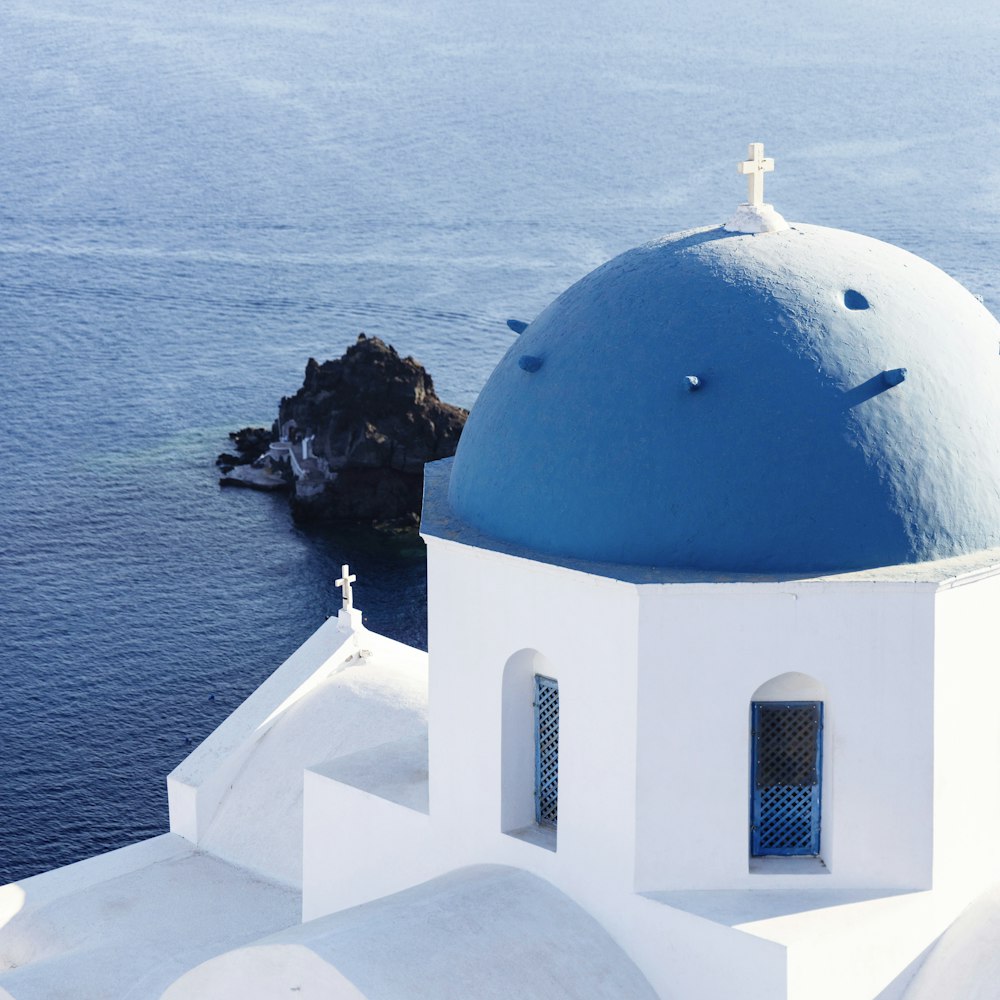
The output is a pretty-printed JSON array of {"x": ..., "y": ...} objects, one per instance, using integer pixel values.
[
  {"x": 349, "y": 619},
  {"x": 756, "y": 219}
]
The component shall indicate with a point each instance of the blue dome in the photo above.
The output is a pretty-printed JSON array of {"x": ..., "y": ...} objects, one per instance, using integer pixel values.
[{"x": 803, "y": 401}]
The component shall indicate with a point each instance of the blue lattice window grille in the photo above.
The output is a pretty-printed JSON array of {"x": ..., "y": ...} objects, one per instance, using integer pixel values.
[
  {"x": 786, "y": 777},
  {"x": 546, "y": 750}
]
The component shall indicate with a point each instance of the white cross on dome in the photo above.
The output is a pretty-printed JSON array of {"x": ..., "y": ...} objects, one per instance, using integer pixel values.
[
  {"x": 755, "y": 168},
  {"x": 753, "y": 215}
]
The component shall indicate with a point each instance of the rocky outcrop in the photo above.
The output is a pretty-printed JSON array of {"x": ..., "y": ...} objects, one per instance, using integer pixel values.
[{"x": 357, "y": 434}]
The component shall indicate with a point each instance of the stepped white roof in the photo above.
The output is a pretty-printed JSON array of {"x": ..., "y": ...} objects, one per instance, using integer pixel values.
[{"x": 482, "y": 932}]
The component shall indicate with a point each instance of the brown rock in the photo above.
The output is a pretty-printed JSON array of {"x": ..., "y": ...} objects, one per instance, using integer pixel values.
[{"x": 376, "y": 420}]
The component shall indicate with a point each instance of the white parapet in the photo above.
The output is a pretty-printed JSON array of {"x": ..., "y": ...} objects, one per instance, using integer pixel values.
[{"x": 196, "y": 786}]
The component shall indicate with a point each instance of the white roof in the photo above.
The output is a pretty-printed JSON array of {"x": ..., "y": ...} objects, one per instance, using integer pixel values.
[
  {"x": 128, "y": 923},
  {"x": 486, "y": 931},
  {"x": 965, "y": 961},
  {"x": 365, "y": 704},
  {"x": 344, "y": 690}
]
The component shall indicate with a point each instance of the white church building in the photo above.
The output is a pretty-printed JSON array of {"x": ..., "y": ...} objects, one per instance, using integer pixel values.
[{"x": 709, "y": 710}]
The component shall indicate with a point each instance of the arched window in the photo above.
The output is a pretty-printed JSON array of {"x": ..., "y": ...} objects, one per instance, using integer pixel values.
[
  {"x": 529, "y": 764},
  {"x": 786, "y": 767}
]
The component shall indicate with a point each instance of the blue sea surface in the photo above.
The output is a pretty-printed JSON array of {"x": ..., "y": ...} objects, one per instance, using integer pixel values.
[{"x": 196, "y": 197}]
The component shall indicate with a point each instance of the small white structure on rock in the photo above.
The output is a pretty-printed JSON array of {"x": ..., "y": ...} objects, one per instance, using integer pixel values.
[{"x": 709, "y": 704}]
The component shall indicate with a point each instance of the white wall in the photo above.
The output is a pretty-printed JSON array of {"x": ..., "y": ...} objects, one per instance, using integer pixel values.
[
  {"x": 484, "y": 608},
  {"x": 706, "y": 648},
  {"x": 967, "y": 733},
  {"x": 666, "y": 673},
  {"x": 488, "y": 610},
  {"x": 359, "y": 847}
]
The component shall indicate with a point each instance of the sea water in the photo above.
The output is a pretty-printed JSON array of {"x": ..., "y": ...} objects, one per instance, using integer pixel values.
[{"x": 197, "y": 197}]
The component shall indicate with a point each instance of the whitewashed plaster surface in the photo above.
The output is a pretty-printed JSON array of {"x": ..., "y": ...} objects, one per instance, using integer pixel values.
[
  {"x": 340, "y": 693},
  {"x": 128, "y": 923},
  {"x": 489, "y": 610},
  {"x": 966, "y": 742},
  {"x": 965, "y": 962},
  {"x": 367, "y": 832},
  {"x": 484, "y": 932},
  {"x": 330, "y": 765},
  {"x": 657, "y": 671},
  {"x": 706, "y": 649}
]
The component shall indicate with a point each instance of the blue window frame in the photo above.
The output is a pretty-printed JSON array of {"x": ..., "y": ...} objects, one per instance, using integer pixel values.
[
  {"x": 786, "y": 775},
  {"x": 546, "y": 750}
]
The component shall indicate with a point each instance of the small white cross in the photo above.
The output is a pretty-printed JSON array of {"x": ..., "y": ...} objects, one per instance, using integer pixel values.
[
  {"x": 345, "y": 581},
  {"x": 755, "y": 168}
]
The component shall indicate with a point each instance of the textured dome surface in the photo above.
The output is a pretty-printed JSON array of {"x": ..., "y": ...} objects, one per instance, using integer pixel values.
[{"x": 804, "y": 447}]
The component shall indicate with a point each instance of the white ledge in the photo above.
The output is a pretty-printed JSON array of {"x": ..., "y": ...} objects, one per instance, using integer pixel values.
[{"x": 807, "y": 865}]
